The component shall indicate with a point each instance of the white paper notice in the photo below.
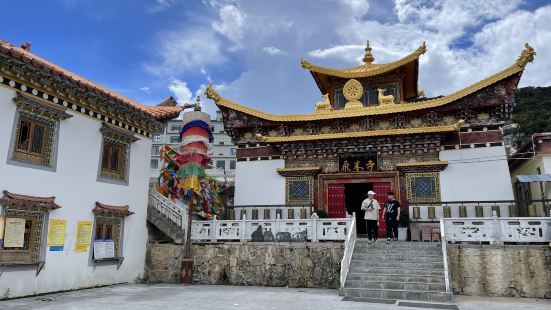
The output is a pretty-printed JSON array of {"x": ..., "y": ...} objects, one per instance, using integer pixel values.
[
  {"x": 109, "y": 249},
  {"x": 99, "y": 249},
  {"x": 14, "y": 236}
]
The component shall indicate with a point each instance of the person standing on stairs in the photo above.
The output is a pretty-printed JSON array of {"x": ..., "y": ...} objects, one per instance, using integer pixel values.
[
  {"x": 371, "y": 207},
  {"x": 392, "y": 216}
]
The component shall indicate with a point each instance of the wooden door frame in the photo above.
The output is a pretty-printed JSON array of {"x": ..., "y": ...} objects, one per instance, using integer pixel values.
[{"x": 325, "y": 179}]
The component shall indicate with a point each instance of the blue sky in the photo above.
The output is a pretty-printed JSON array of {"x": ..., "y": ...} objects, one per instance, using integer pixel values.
[{"x": 251, "y": 50}]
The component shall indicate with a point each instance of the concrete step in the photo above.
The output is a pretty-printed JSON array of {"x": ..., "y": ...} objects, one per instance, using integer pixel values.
[
  {"x": 164, "y": 224},
  {"x": 436, "y": 279},
  {"x": 436, "y": 296},
  {"x": 396, "y": 271},
  {"x": 403, "y": 245},
  {"x": 397, "y": 257},
  {"x": 398, "y": 251},
  {"x": 396, "y": 264},
  {"x": 391, "y": 285}
]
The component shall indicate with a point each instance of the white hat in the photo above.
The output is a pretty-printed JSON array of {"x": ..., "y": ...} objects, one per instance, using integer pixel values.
[{"x": 371, "y": 193}]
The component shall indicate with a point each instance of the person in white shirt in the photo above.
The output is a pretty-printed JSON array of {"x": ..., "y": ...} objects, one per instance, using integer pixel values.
[{"x": 371, "y": 207}]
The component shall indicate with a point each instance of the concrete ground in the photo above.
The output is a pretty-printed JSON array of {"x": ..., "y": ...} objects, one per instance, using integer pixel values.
[{"x": 169, "y": 296}]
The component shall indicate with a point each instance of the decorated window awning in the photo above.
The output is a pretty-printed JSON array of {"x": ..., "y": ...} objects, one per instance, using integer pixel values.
[
  {"x": 300, "y": 171},
  {"x": 117, "y": 133},
  {"x": 12, "y": 199},
  {"x": 422, "y": 166},
  {"x": 30, "y": 104},
  {"x": 104, "y": 209}
]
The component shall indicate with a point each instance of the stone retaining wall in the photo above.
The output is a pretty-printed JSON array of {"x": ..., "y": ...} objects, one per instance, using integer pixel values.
[
  {"x": 262, "y": 264},
  {"x": 511, "y": 271}
]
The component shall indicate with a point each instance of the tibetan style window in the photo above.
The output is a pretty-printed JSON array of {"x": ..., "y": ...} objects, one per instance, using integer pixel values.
[
  {"x": 115, "y": 153},
  {"x": 299, "y": 190},
  {"x": 108, "y": 229},
  {"x": 24, "y": 227},
  {"x": 35, "y": 131},
  {"x": 423, "y": 187}
]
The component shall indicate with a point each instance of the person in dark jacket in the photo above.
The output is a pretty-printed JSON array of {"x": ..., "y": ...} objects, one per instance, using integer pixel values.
[{"x": 392, "y": 215}]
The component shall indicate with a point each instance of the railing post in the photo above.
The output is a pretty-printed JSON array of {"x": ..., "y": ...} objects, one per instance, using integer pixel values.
[
  {"x": 243, "y": 227},
  {"x": 497, "y": 229},
  {"x": 214, "y": 229}
]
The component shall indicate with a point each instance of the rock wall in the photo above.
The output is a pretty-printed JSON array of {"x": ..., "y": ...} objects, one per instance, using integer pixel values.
[
  {"x": 511, "y": 271},
  {"x": 261, "y": 264}
]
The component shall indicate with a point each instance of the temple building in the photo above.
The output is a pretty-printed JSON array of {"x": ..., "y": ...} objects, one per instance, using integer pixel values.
[
  {"x": 74, "y": 178},
  {"x": 375, "y": 130}
]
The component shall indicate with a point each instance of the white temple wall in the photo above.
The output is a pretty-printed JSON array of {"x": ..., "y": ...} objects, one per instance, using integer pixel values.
[
  {"x": 258, "y": 183},
  {"x": 476, "y": 174},
  {"x": 75, "y": 186}
]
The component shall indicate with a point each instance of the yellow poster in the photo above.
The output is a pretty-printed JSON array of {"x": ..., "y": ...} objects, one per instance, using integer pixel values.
[
  {"x": 84, "y": 235},
  {"x": 14, "y": 236},
  {"x": 56, "y": 233},
  {"x": 1, "y": 228}
]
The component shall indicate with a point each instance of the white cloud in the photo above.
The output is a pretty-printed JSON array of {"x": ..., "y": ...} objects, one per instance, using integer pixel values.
[
  {"x": 231, "y": 24},
  {"x": 272, "y": 51},
  {"x": 181, "y": 91},
  {"x": 466, "y": 41},
  {"x": 181, "y": 52},
  {"x": 145, "y": 88}
]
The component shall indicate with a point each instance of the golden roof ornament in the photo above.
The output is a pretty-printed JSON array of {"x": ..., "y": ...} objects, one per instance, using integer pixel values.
[
  {"x": 211, "y": 93},
  {"x": 526, "y": 56},
  {"x": 368, "y": 57},
  {"x": 353, "y": 91}
]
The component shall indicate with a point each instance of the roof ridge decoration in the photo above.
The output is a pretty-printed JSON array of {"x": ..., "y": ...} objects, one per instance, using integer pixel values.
[
  {"x": 29, "y": 201},
  {"x": 368, "y": 57},
  {"x": 368, "y": 68},
  {"x": 525, "y": 57}
]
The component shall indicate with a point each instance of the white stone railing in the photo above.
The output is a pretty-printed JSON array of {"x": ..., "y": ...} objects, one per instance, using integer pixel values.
[
  {"x": 349, "y": 245},
  {"x": 271, "y": 230},
  {"x": 444, "y": 242},
  {"x": 171, "y": 210},
  {"x": 497, "y": 229}
]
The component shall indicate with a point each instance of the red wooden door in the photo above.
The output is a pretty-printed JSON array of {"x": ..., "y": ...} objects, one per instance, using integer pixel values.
[
  {"x": 335, "y": 201},
  {"x": 380, "y": 190}
]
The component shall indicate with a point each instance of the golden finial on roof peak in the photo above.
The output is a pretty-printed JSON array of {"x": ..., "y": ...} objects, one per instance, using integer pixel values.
[{"x": 368, "y": 57}]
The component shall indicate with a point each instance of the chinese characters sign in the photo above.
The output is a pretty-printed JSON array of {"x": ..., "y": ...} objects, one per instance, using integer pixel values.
[{"x": 358, "y": 162}]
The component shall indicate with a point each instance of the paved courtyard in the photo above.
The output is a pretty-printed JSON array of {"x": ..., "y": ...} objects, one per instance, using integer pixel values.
[{"x": 167, "y": 296}]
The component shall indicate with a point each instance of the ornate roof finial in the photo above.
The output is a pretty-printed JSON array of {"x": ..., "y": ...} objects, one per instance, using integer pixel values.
[
  {"x": 368, "y": 57},
  {"x": 197, "y": 104},
  {"x": 526, "y": 56},
  {"x": 26, "y": 46},
  {"x": 211, "y": 93}
]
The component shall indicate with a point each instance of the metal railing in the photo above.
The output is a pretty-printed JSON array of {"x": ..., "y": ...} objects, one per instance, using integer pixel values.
[{"x": 349, "y": 245}]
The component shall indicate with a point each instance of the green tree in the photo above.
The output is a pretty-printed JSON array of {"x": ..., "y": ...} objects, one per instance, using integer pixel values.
[{"x": 532, "y": 112}]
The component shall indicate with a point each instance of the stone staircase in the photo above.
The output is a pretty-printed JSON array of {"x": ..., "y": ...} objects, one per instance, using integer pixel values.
[
  {"x": 167, "y": 217},
  {"x": 399, "y": 270}
]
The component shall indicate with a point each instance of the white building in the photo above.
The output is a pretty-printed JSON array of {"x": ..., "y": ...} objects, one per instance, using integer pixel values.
[
  {"x": 74, "y": 170},
  {"x": 223, "y": 150},
  {"x": 531, "y": 174}
]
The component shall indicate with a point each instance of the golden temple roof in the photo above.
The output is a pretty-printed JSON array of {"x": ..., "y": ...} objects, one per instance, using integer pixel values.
[
  {"x": 368, "y": 68},
  {"x": 526, "y": 56}
]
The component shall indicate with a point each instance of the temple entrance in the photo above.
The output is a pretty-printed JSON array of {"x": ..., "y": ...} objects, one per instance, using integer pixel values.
[{"x": 354, "y": 195}]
